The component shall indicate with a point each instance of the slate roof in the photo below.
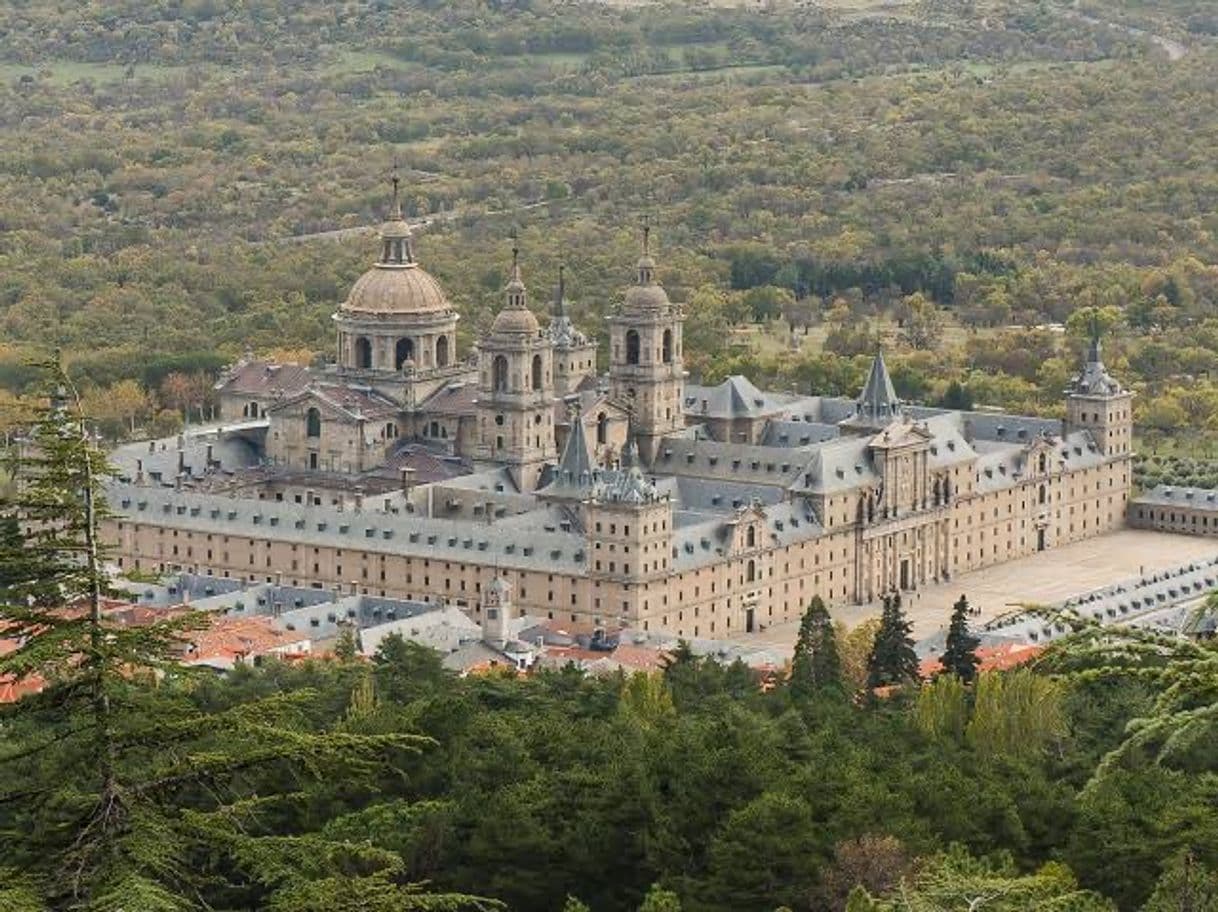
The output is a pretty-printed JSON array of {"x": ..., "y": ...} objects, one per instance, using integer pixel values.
[
  {"x": 1171, "y": 496},
  {"x": 787, "y": 433},
  {"x": 733, "y": 461},
  {"x": 525, "y": 544},
  {"x": 573, "y": 476},
  {"x": 1094, "y": 379},
  {"x": 735, "y": 397}
]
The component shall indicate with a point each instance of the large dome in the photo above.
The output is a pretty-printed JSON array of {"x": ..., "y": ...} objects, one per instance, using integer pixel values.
[{"x": 396, "y": 289}]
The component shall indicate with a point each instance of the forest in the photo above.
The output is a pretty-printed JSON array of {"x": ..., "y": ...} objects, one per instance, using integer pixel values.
[{"x": 182, "y": 183}]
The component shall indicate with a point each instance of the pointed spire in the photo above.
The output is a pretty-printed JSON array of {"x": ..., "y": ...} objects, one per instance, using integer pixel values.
[
  {"x": 515, "y": 285},
  {"x": 574, "y": 467},
  {"x": 560, "y": 294},
  {"x": 1095, "y": 350},
  {"x": 1095, "y": 379},
  {"x": 630, "y": 452},
  {"x": 879, "y": 402},
  {"x": 647, "y": 266}
]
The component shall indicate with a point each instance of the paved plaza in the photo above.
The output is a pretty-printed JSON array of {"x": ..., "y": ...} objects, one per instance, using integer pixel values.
[{"x": 1045, "y": 578}]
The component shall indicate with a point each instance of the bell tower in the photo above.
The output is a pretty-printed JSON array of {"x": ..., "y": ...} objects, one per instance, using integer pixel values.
[
  {"x": 646, "y": 370},
  {"x": 516, "y": 388}
]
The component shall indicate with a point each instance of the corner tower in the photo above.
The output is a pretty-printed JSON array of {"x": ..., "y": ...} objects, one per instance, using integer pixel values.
[
  {"x": 516, "y": 388},
  {"x": 646, "y": 370},
  {"x": 1097, "y": 403}
]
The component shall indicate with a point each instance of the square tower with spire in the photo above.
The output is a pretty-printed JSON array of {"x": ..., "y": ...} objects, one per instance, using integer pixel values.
[{"x": 1097, "y": 403}]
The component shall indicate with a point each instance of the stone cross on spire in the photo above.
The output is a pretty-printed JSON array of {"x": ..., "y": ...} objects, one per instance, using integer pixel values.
[
  {"x": 515, "y": 286},
  {"x": 395, "y": 210},
  {"x": 647, "y": 266}
]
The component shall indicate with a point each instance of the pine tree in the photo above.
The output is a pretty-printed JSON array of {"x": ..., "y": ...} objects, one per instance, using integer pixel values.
[
  {"x": 816, "y": 666},
  {"x": 127, "y": 793},
  {"x": 892, "y": 659},
  {"x": 960, "y": 658}
]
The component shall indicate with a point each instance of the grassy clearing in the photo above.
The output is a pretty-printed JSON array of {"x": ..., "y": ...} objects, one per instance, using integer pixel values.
[{"x": 66, "y": 72}]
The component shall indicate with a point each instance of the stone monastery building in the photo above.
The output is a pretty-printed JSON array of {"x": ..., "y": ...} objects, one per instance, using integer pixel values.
[{"x": 409, "y": 470}]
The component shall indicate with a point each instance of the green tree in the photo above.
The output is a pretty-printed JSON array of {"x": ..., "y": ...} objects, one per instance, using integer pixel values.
[
  {"x": 764, "y": 854},
  {"x": 816, "y": 666},
  {"x": 960, "y": 656},
  {"x": 892, "y": 659},
  {"x": 921, "y": 322},
  {"x": 1186, "y": 884},
  {"x": 956, "y": 881},
  {"x": 1015, "y": 713},
  {"x": 660, "y": 900},
  {"x": 646, "y": 699},
  {"x": 942, "y": 708},
  {"x": 131, "y": 795}
]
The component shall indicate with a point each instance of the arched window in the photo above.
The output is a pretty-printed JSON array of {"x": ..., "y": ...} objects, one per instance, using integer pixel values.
[
  {"x": 363, "y": 352},
  {"x": 1044, "y": 463},
  {"x": 632, "y": 347},
  {"x": 442, "y": 351},
  {"x": 313, "y": 423},
  {"x": 1044, "y": 494},
  {"x": 499, "y": 374},
  {"x": 602, "y": 428},
  {"x": 403, "y": 352},
  {"x": 750, "y": 539},
  {"x": 751, "y": 573},
  {"x": 666, "y": 349},
  {"x": 537, "y": 372}
]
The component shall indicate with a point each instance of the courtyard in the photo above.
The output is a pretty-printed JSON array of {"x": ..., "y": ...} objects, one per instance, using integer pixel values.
[{"x": 1044, "y": 578}]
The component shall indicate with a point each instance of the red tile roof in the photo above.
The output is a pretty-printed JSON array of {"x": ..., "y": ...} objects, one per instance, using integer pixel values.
[
  {"x": 231, "y": 639},
  {"x": 993, "y": 658}
]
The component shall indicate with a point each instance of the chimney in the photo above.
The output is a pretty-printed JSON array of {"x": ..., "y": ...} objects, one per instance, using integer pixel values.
[
  {"x": 181, "y": 441},
  {"x": 209, "y": 456},
  {"x": 139, "y": 471},
  {"x": 279, "y": 578},
  {"x": 353, "y": 587},
  {"x": 151, "y": 446},
  {"x": 408, "y": 476},
  {"x": 359, "y": 502},
  {"x": 181, "y": 461}
]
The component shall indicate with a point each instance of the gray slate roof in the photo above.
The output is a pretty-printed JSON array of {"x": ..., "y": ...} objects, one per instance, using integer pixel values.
[
  {"x": 520, "y": 542},
  {"x": 1171, "y": 496}
]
